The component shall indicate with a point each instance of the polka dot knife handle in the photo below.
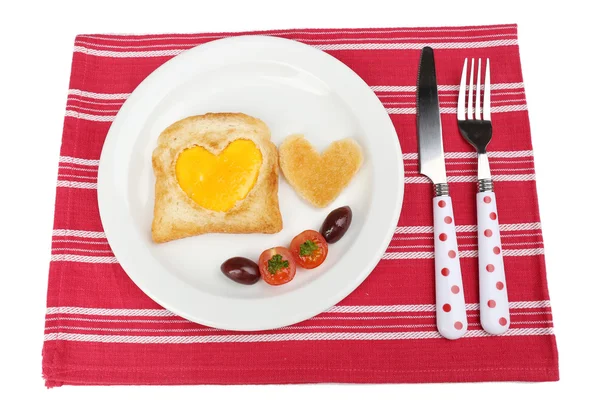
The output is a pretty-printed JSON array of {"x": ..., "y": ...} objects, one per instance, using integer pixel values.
[
  {"x": 493, "y": 298},
  {"x": 451, "y": 313}
]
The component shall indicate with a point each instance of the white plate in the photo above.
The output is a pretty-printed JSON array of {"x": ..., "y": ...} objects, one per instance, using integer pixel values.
[{"x": 294, "y": 88}]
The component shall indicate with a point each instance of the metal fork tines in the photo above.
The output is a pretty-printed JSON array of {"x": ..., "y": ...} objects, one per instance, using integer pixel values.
[{"x": 476, "y": 129}]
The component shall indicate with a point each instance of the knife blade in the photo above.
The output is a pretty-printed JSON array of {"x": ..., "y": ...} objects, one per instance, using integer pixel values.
[
  {"x": 429, "y": 125},
  {"x": 451, "y": 314}
]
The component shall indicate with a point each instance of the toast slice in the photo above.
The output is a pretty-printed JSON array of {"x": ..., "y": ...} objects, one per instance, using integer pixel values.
[
  {"x": 319, "y": 178},
  {"x": 177, "y": 215}
]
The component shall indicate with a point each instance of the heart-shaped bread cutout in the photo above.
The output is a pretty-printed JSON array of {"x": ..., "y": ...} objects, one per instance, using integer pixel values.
[
  {"x": 319, "y": 178},
  {"x": 218, "y": 182}
]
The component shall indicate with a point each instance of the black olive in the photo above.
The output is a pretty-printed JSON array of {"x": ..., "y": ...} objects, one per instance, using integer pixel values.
[
  {"x": 336, "y": 224},
  {"x": 241, "y": 270}
]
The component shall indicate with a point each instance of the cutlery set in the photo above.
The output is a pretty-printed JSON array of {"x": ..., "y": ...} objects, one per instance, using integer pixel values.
[{"x": 474, "y": 123}]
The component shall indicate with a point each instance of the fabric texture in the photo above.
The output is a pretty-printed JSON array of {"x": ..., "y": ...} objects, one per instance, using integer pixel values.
[{"x": 102, "y": 330}]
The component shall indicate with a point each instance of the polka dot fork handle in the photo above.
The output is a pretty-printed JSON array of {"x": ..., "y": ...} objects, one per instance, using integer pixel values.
[
  {"x": 451, "y": 314},
  {"x": 493, "y": 299}
]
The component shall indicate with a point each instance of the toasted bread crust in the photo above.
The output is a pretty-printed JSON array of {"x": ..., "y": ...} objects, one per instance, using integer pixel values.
[
  {"x": 319, "y": 178},
  {"x": 177, "y": 216}
]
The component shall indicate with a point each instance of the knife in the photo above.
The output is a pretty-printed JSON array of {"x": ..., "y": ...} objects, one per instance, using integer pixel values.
[{"x": 451, "y": 315}]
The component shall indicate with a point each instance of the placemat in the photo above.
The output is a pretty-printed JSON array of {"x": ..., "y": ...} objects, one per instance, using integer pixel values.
[{"x": 101, "y": 329}]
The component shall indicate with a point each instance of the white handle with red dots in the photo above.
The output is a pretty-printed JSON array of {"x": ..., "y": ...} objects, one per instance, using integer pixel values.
[
  {"x": 451, "y": 313},
  {"x": 493, "y": 298}
]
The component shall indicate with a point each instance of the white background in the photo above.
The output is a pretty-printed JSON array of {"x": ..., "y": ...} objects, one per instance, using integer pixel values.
[{"x": 559, "y": 49}]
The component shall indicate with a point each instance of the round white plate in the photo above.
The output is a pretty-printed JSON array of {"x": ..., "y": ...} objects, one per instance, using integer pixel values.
[{"x": 293, "y": 88}]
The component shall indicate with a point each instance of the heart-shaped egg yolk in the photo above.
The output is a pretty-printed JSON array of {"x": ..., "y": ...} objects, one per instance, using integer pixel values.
[{"x": 217, "y": 182}]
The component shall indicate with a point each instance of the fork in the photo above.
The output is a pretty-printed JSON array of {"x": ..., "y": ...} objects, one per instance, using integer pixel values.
[{"x": 477, "y": 130}]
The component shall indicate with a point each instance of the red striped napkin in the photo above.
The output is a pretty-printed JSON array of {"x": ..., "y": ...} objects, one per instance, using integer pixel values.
[{"x": 101, "y": 329}]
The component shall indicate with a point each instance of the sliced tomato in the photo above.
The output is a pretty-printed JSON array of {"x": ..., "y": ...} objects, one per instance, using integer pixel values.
[
  {"x": 309, "y": 249},
  {"x": 277, "y": 266}
]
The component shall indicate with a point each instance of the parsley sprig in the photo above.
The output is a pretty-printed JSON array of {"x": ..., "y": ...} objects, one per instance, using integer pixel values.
[
  {"x": 277, "y": 263},
  {"x": 308, "y": 248}
]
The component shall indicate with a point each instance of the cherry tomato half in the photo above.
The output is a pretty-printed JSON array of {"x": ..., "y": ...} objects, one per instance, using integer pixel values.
[
  {"x": 277, "y": 266},
  {"x": 309, "y": 249}
]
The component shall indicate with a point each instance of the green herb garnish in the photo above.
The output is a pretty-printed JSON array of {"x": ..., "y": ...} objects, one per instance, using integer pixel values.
[
  {"x": 307, "y": 248},
  {"x": 277, "y": 263}
]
